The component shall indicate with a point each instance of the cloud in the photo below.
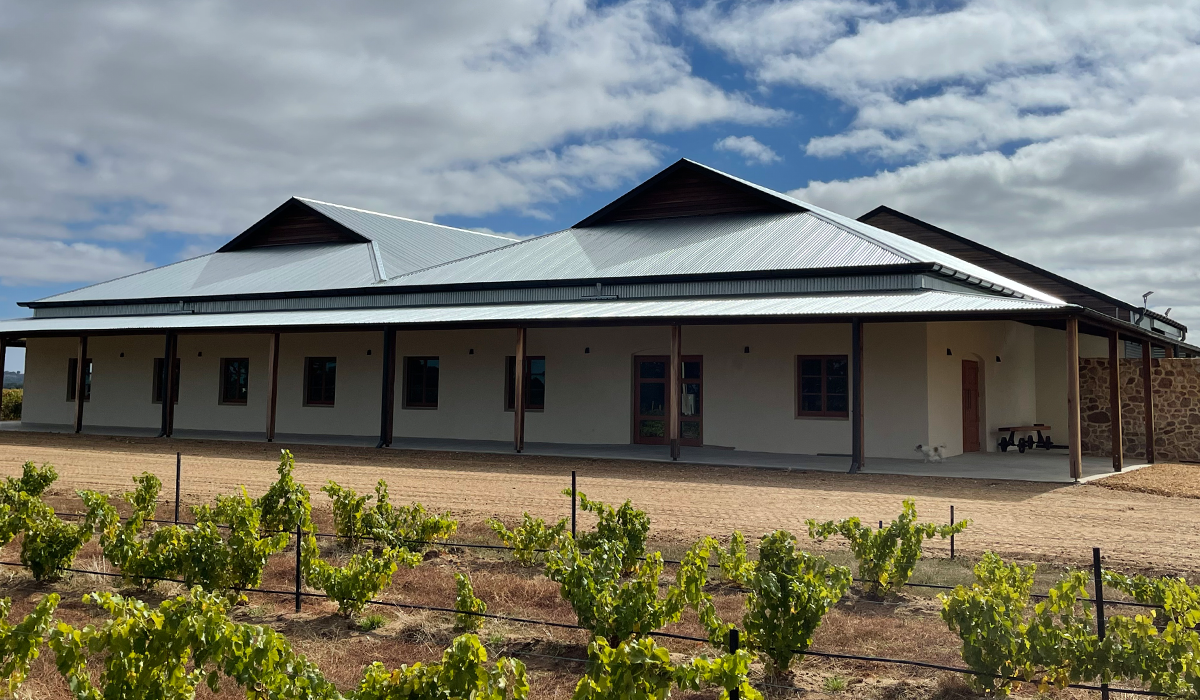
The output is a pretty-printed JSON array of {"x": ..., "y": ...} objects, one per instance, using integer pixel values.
[
  {"x": 749, "y": 148},
  {"x": 1060, "y": 132},
  {"x": 32, "y": 261},
  {"x": 197, "y": 117}
]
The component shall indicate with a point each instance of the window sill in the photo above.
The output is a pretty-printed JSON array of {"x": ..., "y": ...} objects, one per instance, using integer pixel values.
[
  {"x": 528, "y": 410},
  {"x": 318, "y": 405},
  {"x": 830, "y": 418},
  {"x": 418, "y": 408}
]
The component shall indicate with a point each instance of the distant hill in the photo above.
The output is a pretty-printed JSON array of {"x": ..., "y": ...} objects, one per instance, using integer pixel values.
[{"x": 14, "y": 380}]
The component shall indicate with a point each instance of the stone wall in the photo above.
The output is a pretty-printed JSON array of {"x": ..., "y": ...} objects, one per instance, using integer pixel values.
[{"x": 1176, "y": 384}]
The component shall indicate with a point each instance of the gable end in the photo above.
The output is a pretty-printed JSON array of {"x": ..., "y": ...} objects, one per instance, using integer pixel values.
[
  {"x": 293, "y": 223},
  {"x": 686, "y": 189}
]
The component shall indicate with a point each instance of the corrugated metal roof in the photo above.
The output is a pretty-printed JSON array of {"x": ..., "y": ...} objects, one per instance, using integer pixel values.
[
  {"x": 676, "y": 309},
  {"x": 693, "y": 245},
  {"x": 916, "y": 252},
  {"x": 257, "y": 270},
  {"x": 406, "y": 244}
]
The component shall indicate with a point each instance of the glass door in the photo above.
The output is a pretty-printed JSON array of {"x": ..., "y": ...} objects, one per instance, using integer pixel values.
[{"x": 650, "y": 400}]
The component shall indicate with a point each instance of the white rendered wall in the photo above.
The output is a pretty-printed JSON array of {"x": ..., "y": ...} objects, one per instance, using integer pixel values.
[
  {"x": 1007, "y": 388},
  {"x": 895, "y": 397},
  {"x": 199, "y": 406},
  {"x": 45, "y": 399},
  {"x": 357, "y": 396}
]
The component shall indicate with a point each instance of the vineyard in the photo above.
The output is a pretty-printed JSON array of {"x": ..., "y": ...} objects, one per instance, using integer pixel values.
[{"x": 733, "y": 617}]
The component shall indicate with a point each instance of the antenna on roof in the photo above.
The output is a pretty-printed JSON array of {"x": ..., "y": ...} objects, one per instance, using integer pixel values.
[
  {"x": 1145, "y": 297},
  {"x": 1168, "y": 311}
]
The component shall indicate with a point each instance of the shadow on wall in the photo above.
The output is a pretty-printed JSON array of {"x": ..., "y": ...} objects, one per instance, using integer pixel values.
[{"x": 1176, "y": 384}]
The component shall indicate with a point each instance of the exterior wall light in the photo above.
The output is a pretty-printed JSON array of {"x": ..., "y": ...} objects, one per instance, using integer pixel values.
[
  {"x": 746, "y": 350},
  {"x": 587, "y": 351},
  {"x": 997, "y": 358},
  {"x": 471, "y": 351},
  {"x": 948, "y": 353},
  {"x": 368, "y": 352}
]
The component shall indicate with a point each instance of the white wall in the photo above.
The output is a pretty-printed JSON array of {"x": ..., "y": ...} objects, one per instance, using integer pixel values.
[
  {"x": 912, "y": 388},
  {"x": 895, "y": 397},
  {"x": 45, "y": 399},
  {"x": 1008, "y": 387},
  {"x": 359, "y": 377}
]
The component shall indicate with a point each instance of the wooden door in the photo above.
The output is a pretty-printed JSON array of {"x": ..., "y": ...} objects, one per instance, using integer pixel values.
[
  {"x": 970, "y": 405},
  {"x": 650, "y": 400}
]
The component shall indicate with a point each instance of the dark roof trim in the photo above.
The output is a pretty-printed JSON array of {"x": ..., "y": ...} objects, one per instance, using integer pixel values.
[
  {"x": 882, "y": 209},
  {"x": 684, "y": 164},
  {"x": 246, "y": 236}
]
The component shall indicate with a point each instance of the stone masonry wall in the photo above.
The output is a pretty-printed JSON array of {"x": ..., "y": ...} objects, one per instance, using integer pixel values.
[{"x": 1176, "y": 384}]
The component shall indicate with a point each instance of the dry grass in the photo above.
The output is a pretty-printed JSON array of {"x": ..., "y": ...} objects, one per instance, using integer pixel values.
[{"x": 1173, "y": 480}]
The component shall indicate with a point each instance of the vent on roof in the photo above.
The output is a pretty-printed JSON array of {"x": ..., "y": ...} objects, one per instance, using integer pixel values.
[
  {"x": 293, "y": 223},
  {"x": 686, "y": 189}
]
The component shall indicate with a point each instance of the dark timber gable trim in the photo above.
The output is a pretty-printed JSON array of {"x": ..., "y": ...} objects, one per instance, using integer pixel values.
[
  {"x": 293, "y": 223},
  {"x": 688, "y": 189}
]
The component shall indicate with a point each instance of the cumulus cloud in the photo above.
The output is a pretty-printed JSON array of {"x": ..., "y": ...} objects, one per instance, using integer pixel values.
[
  {"x": 1060, "y": 132},
  {"x": 35, "y": 261},
  {"x": 197, "y": 117},
  {"x": 749, "y": 148}
]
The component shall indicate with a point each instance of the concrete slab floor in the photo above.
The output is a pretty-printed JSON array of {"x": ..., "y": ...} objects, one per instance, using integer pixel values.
[{"x": 1048, "y": 466}]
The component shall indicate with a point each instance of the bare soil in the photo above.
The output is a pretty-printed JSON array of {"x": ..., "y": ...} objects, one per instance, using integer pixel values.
[{"x": 1144, "y": 528}]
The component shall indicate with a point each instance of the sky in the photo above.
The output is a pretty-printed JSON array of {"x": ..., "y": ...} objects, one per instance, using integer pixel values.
[{"x": 134, "y": 134}]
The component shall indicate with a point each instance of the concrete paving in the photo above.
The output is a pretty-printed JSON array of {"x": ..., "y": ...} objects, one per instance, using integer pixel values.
[{"x": 1034, "y": 465}]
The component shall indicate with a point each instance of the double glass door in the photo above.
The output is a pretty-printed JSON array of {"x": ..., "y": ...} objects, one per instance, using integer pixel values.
[{"x": 650, "y": 400}]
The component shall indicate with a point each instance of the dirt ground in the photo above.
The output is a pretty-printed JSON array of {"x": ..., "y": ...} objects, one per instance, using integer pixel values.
[{"x": 1137, "y": 527}]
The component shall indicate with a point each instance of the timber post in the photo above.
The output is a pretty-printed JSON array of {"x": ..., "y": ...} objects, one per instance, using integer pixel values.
[
  {"x": 857, "y": 436},
  {"x": 1148, "y": 400},
  {"x": 519, "y": 392},
  {"x": 80, "y": 384},
  {"x": 675, "y": 390},
  {"x": 167, "y": 382},
  {"x": 387, "y": 410},
  {"x": 3, "y": 357},
  {"x": 1074, "y": 434},
  {"x": 272, "y": 385},
  {"x": 1114, "y": 402}
]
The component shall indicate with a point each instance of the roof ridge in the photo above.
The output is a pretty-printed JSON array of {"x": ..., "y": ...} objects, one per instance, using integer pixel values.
[
  {"x": 537, "y": 237},
  {"x": 401, "y": 218}
]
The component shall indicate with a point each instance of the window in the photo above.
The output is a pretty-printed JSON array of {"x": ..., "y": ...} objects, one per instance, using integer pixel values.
[
  {"x": 235, "y": 380},
  {"x": 72, "y": 369},
  {"x": 823, "y": 386},
  {"x": 320, "y": 378},
  {"x": 158, "y": 383},
  {"x": 420, "y": 382},
  {"x": 535, "y": 383}
]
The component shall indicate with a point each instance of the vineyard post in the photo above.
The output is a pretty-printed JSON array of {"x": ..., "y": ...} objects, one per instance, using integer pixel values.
[
  {"x": 1096, "y": 571},
  {"x": 299, "y": 536},
  {"x": 178, "y": 471},
  {"x": 572, "y": 504},
  {"x": 951, "y": 532},
  {"x": 734, "y": 693},
  {"x": 880, "y": 524}
]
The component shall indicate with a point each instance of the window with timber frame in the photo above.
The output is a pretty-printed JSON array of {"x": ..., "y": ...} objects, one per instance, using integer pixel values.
[
  {"x": 421, "y": 375},
  {"x": 535, "y": 383},
  {"x": 235, "y": 381},
  {"x": 72, "y": 369},
  {"x": 320, "y": 380},
  {"x": 822, "y": 386},
  {"x": 156, "y": 394}
]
